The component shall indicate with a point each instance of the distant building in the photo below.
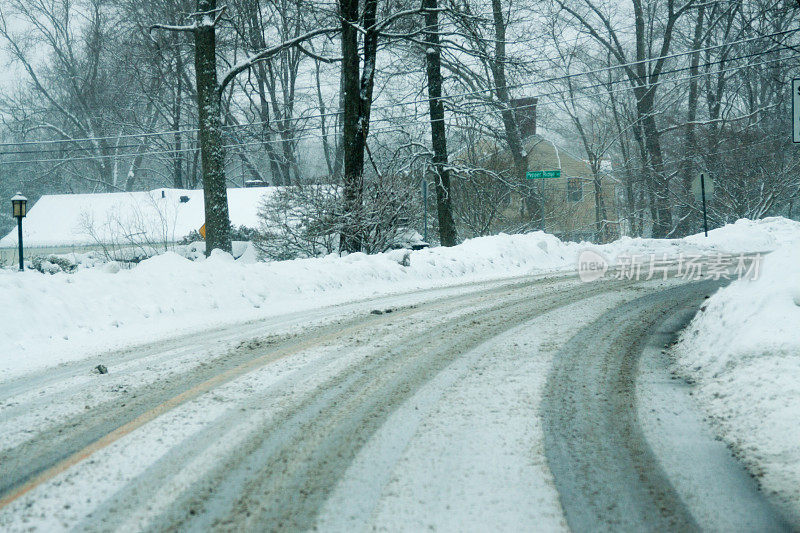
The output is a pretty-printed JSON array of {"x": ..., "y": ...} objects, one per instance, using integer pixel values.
[
  {"x": 63, "y": 223},
  {"x": 569, "y": 201}
]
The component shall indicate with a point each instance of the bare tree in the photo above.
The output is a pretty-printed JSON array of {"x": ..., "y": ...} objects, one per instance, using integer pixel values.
[
  {"x": 275, "y": 78},
  {"x": 357, "y": 88},
  {"x": 71, "y": 96},
  {"x": 209, "y": 96},
  {"x": 643, "y": 66}
]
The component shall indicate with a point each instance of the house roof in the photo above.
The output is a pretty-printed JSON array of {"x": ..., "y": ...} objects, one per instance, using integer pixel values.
[{"x": 146, "y": 216}]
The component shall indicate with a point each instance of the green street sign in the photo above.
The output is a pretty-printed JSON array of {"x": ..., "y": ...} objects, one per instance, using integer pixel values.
[{"x": 542, "y": 174}]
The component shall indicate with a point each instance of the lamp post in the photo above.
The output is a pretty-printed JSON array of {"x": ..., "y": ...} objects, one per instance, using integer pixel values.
[{"x": 20, "y": 205}]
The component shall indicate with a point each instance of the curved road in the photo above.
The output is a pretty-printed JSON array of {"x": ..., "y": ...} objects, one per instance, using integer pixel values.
[
  {"x": 606, "y": 471},
  {"x": 403, "y": 412}
]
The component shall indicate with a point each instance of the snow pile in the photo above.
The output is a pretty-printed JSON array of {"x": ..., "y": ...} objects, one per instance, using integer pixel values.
[
  {"x": 743, "y": 236},
  {"x": 750, "y": 235},
  {"x": 743, "y": 351},
  {"x": 128, "y": 257},
  {"x": 49, "y": 319}
]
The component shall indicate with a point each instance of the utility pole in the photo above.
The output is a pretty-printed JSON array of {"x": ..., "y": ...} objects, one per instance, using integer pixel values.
[
  {"x": 703, "y": 194},
  {"x": 425, "y": 207},
  {"x": 541, "y": 207}
]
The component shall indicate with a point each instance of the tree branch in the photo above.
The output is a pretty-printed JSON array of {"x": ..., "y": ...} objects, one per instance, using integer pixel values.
[{"x": 269, "y": 52}]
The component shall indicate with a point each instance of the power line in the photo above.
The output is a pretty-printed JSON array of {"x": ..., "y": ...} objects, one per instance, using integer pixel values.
[
  {"x": 423, "y": 101},
  {"x": 393, "y": 129},
  {"x": 168, "y": 152},
  {"x": 372, "y": 130},
  {"x": 394, "y": 118}
]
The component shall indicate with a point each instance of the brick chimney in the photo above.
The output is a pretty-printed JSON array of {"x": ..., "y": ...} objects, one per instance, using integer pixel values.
[{"x": 525, "y": 115}]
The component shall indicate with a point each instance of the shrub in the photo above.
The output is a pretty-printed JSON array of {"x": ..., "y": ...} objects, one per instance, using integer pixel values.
[
  {"x": 307, "y": 220},
  {"x": 53, "y": 264},
  {"x": 240, "y": 233}
]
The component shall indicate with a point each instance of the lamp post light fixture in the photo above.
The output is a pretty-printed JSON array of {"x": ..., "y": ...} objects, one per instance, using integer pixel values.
[{"x": 20, "y": 205}]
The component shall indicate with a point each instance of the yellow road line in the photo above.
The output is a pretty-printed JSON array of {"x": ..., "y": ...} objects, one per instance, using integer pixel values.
[
  {"x": 204, "y": 387},
  {"x": 168, "y": 405}
]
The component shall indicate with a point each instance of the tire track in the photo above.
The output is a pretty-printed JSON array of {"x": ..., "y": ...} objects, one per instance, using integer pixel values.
[
  {"x": 60, "y": 447},
  {"x": 281, "y": 478},
  {"x": 607, "y": 475}
]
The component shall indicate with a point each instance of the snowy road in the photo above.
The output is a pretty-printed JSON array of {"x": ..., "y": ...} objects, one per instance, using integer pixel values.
[
  {"x": 612, "y": 476},
  {"x": 352, "y": 418}
]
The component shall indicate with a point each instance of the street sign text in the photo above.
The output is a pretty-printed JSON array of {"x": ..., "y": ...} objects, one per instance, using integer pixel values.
[{"x": 542, "y": 174}]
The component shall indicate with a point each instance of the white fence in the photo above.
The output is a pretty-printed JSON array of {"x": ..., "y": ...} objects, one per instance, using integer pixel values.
[{"x": 10, "y": 256}]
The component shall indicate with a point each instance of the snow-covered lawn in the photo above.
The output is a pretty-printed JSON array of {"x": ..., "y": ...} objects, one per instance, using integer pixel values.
[
  {"x": 743, "y": 351},
  {"x": 46, "y": 320}
]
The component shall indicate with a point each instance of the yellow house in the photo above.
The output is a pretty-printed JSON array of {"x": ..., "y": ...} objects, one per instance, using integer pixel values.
[
  {"x": 581, "y": 204},
  {"x": 571, "y": 208}
]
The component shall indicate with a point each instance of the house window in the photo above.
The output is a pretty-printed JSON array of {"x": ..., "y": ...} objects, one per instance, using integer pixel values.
[{"x": 574, "y": 189}]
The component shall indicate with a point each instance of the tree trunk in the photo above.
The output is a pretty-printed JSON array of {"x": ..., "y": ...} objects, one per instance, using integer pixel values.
[
  {"x": 338, "y": 166},
  {"x": 351, "y": 131},
  {"x": 444, "y": 209},
  {"x": 283, "y": 152},
  {"x": 513, "y": 137},
  {"x": 600, "y": 213},
  {"x": 212, "y": 151},
  {"x": 352, "y": 139},
  {"x": 277, "y": 176},
  {"x": 177, "y": 158},
  {"x": 193, "y": 171},
  {"x": 323, "y": 124},
  {"x": 357, "y": 91},
  {"x": 257, "y": 43},
  {"x": 368, "y": 71},
  {"x": 659, "y": 184},
  {"x": 630, "y": 197},
  {"x": 247, "y": 164},
  {"x": 688, "y": 166},
  {"x": 136, "y": 164}
]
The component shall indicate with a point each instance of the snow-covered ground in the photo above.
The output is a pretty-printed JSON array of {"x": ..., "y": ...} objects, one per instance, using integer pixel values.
[
  {"x": 743, "y": 351},
  {"x": 462, "y": 453},
  {"x": 51, "y": 319}
]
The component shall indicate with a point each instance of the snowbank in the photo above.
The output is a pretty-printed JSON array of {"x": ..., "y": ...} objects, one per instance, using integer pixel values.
[
  {"x": 49, "y": 319},
  {"x": 743, "y": 351},
  {"x": 740, "y": 237},
  {"x": 750, "y": 235}
]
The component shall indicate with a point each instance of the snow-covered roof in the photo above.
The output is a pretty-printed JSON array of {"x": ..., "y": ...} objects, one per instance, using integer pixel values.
[{"x": 146, "y": 216}]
